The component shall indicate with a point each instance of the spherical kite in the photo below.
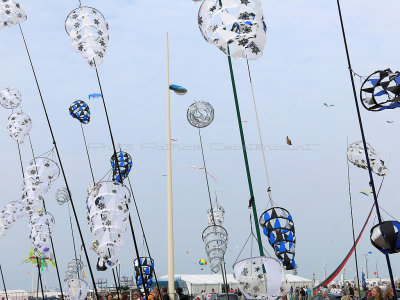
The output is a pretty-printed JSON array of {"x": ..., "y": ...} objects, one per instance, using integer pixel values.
[
  {"x": 19, "y": 125},
  {"x": 385, "y": 237},
  {"x": 216, "y": 216},
  {"x": 76, "y": 289},
  {"x": 238, "y": 24},
  {"x": 88, "y": 31},
  {"x": 62, "y": 196},
  {"x": 122, "y": 166},
  {"x": 200, "y": 114},
  {"x": 107, "y": 215},
  {"x": 147, "y": 268},
  {"x": 10, "y": 98},
  {"x": 381, "y": 90},
  {"x": 11, "y": 13},
  {"x": 259, "y": 277},
  {"x": 356, "y": 155},
  {"x": 80, "y": 110},
  {"x": 215, "y": 238},
  {"x": 278, "y": 226},
  {"x": 202, "y": 262},
  {"x": 74, "y": 268}
]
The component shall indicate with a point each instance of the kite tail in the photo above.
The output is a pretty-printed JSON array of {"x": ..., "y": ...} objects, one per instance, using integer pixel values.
[{"x": 343, "y": 263}]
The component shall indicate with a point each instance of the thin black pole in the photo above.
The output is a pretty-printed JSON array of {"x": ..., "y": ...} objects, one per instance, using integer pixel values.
[
  {"x": 352, "y": 224},
  {"x": 371, "y": 178},
  {"x": 40, "y": 276},
  {"x": 143, "y": 233},
  {"x": 4, "y": 283},
  {"x": 61, "y": 165},
  {"x": 44, "y": 207},
  {"x": 120, "y": 176}
]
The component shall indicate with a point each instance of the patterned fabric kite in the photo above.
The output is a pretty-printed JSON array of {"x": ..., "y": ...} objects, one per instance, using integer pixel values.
[
  {"x": 260, "y": 277},
  {"x": 237, "y": 23},
  {"x": 11, "y": 13},
  {"x": 124, "y": 165},
  {"x": 216, "y": 216},
  {"x": 278, "y": 226},
  {"x": 12, "y": 212},
  {"x": 76, "y": 289},
  {"x": 215, "y": 238},
  {"x": 356, "y": 155},
  {"x": 147, "y": 266},
  {"x": 202, "y": 262},
  {"x": 385, "y": 237},
  {"x": 200, "y": 114},
  {"x": 107, "y": 215},
  {"x": 41, "y": 225},
  {"x": 19, "y": 125},
  {"x": 381, "y": 90},
  {"x": 88, "y": 31},
  {"x": 10, "y": 98},
  {"x": 39, "y": 175},
  {"x": 80, "y": 110}
]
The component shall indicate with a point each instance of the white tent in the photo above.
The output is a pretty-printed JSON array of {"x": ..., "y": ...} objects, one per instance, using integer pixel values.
[
  {"x": 207, "y": 282},
  {"x": 297, "y": 281}
]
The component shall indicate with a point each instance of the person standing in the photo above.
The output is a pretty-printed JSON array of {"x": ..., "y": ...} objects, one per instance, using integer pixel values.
[
  {"x": 181, "y": 295},
  {"x": 308, "y": 293},
  {"x": 377, "y": 293},
  {"x": 164, "y": 293},
  {"x": 388, "y": 295},
  {"x": 345, "y": 295}
]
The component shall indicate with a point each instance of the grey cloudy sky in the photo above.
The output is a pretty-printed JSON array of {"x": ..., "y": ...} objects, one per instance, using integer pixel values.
[{"x": 303, "y": 66}]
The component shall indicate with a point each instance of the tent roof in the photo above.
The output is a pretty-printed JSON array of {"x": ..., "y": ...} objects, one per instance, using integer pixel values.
[
  {"x": 217, "y": 278},
  {"x": 203, "y": 278}
]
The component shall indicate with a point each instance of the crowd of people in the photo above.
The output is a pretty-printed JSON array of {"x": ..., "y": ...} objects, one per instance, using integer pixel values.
[{"x": 350, "y": 292}]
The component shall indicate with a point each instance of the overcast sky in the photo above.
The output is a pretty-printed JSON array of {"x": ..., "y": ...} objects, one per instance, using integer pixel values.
[{"x": 303, "y": 66}]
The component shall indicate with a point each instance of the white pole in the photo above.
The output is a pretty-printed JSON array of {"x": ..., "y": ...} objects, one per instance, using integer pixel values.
[{"x": 171, "y": 285}]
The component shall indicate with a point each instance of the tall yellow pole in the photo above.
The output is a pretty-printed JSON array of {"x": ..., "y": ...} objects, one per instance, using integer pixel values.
[{"x": 171, "y": 285}]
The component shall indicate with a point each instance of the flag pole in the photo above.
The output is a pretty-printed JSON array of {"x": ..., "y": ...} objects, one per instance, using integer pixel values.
[{"x": 171, "y": 284}]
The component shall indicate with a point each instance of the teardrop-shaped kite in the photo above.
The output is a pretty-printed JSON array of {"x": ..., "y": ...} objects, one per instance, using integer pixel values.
[
  {"x": 76, "y": 289},
  {"x": 147, "y": 266},
  {"x": 122, "y": 166},
  {"x": 356, "y": 155},
  {"x": 107, "y": 215},
  {"x": 200, "y": 114},
  {"x": 260, "y": 277},
  {"x": 19, "y": 125},
  {"x": 278, "y": 226},
  {"x": 237, "y": 23},
  {"x": 88, "y": 30},
  {"x": 11, "y": 13},
  {"x": 381, "y": 90},
  {"x": 215, "y": 238},
  {"x": 80, "y": 110},
  {"x": 10, "y": 98},
  {"x": 385, "y": 237}
]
